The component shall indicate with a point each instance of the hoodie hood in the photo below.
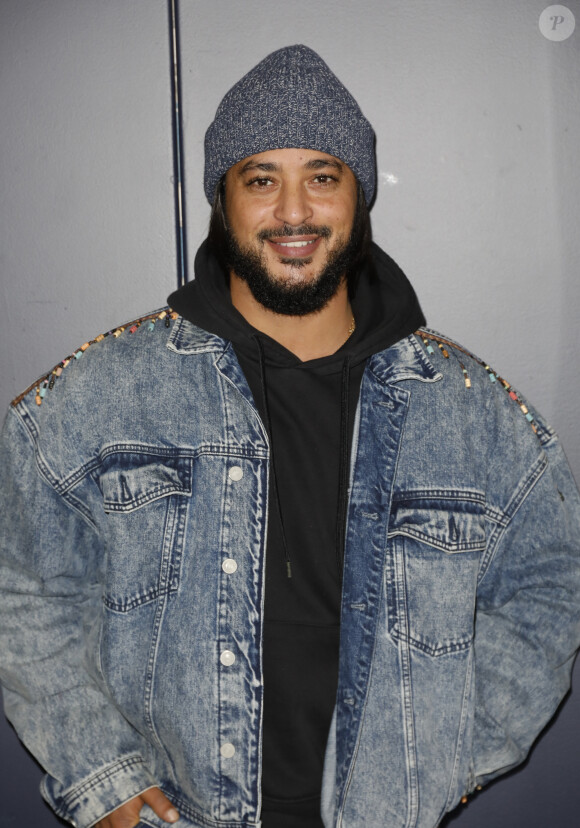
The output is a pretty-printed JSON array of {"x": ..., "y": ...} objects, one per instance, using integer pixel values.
[{"x": 385, "y": 307}]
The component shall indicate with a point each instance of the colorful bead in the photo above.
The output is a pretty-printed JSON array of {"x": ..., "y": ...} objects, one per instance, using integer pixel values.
[
  {"x": 465, "y": 376},
  {"x": 490, "y": 373}
]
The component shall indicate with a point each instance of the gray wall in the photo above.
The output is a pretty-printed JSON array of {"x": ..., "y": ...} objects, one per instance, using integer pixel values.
[{"x": 478, "y": 127}]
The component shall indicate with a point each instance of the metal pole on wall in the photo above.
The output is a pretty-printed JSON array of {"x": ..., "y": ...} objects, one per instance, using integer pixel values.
[{"x": 177, "y": 146}]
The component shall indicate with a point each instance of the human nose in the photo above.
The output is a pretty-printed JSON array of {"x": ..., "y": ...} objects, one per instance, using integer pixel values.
[{"x": 293, "y": 205}]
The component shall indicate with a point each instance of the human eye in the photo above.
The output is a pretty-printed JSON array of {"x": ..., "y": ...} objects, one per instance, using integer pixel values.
[
  {"x": 259, "y": 183},
  {"x": 325, "y": 179}
]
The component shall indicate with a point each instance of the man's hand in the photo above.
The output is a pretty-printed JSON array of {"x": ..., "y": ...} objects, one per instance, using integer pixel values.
[{"x": 127, "y": 816}]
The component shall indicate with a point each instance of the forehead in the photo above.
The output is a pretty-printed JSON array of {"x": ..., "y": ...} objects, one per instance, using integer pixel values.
[{"x": 289, "y": 159}]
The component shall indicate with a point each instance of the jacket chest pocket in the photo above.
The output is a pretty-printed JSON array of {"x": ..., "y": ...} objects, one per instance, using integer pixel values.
[
  {"x": 145, "y": 498},
  {"x": 434, "y": 552}
]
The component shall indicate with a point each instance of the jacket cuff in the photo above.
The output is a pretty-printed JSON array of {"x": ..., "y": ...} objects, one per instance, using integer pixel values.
[{"x": 97, "y": 795}]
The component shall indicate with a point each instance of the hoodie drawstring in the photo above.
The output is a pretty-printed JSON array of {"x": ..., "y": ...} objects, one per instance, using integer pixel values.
[
  {"x": 343, "y": 468},
  {"x": 268, "y": 425}
]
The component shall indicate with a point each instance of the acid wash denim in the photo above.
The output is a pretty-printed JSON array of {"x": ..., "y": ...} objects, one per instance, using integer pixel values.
[{"x": 134, "y": 522}]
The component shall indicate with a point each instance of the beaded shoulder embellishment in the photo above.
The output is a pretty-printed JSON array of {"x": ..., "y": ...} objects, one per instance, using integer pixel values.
[
  {"x": 443, "y": 344},
  {"x": 46, "y": 382}
]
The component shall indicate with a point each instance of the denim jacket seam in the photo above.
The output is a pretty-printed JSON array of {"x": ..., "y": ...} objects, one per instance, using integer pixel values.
[
  {"x": 449, "y": 494},
  {"x": 73, "y": 502},
  {"x": 519, "y": 496},
  {"x": 90, "y": 783},
  {"x": 204, "y": 449},
  {"x": 45, "y": 471},
  {"x": 521, "y": 493},
  {"x": 26, "y": 420},
  {"x": 496, "y": 515},
  {"x": 460, "y": 740}
]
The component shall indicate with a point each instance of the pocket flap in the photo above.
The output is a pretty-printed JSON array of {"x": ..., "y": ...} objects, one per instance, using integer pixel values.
[
  {"x": 130, "y": 480},
  {"x": 452, "y": 525}
]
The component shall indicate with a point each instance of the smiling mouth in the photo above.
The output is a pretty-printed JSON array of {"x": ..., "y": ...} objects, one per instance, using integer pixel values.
[{"x": 294, "y": 248}]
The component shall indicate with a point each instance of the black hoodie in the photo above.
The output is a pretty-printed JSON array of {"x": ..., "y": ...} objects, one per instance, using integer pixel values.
[{"x": 308, "y": 409}]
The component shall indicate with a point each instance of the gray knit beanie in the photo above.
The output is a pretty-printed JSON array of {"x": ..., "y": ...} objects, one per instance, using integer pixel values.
[{"x": 290, "y": 99}]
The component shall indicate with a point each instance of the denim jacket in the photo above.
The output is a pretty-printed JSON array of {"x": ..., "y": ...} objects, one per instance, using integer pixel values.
[{"x": 135, "y": 488}]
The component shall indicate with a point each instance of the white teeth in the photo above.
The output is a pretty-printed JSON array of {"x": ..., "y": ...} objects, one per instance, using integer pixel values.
[{"x": 296, "y": 243}]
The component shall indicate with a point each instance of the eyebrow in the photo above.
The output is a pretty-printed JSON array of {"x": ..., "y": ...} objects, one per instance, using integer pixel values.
[
  {"x": 254, "y": 165},
  {"x": 320, "y": 163},
  {"x": 313, "y": 164}
]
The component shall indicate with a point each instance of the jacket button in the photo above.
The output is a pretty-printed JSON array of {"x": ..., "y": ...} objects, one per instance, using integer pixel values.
[
  {"x": 229, "y": 566},
  {"x": 227, "y": 658},
  {"x": 227, "y": 750},
  {"x": 236, "y": 473}
]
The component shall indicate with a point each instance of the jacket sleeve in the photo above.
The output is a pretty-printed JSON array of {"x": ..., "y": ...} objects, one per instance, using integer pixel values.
[
  {"x": 528, "y": 613},
  {"x": 49, "y": 609}
]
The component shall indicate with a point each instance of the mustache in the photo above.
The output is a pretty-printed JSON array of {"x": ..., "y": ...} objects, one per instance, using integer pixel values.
[{"x": 288, "y": 231}]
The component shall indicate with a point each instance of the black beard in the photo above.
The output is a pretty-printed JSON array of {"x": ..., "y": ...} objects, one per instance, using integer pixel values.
[{"x": 291, "y": 299}]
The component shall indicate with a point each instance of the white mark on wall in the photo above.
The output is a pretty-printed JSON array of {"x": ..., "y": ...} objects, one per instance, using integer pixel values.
[
  {"x": 389, "y": 178},
  {"x": 557, "y": 23}
]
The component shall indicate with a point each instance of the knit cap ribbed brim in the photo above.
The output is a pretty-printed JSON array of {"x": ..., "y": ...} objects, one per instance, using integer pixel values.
[{"x": 290, "y": 99}]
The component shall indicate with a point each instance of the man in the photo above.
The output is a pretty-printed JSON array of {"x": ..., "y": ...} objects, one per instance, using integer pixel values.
[{"x": 277, "y": 554}]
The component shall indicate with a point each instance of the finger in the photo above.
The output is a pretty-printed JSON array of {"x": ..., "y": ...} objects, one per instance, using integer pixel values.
[
  {"x": 126, "y": 816},
  {"x": 159, "y": 803}
]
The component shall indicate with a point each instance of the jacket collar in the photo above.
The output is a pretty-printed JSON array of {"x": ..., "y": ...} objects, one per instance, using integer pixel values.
[
  {"x": 404, "y": 360},
  {"x": 186, "y": 338}
]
